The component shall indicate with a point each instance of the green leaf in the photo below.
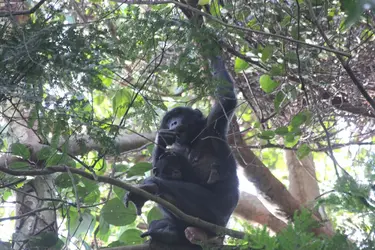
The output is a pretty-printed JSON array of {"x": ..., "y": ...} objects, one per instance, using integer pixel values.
[
  {"x": 120, "y": 192},
  {"x": 203, "y": 2},
  {"x": 154, "y": 214},
  {"x": 20, "y": 150},
  {"x": 57, "y": 159},
  {"x": 80, "y": 225},
  {"x": 282, "y": 130},
  {"x": 267, "y": 135},
  {"x": 45, "y": 153},
  {"x": 279, "y": 98},
  {"x": 354, "y": 11},
  {"x": 291, "y": 139},
  {"x": 267, "y": 84},
  {"x": 295, "y": 130},
  {"x": 19, "y": 165},
  {"x": 32, "y": 116},
  {"x": 266, "y": 53},
  {"x": 139, "y": 169},
  {"x": 56, "y": 135},
  {"x": 303, "y": 151},
  {"x": 131, "y": 237},
  {"x": 240, "y": 65},
  {"x": 105, "y": 80},
  {"x": 299, "y": 119},
  {"x": 64, "y": 180},
  {"x": 115, "y": 213},
  {"x": 104, "y": 231},
  {"x": 215, "y": 8},
  {"x": 120, "y": 168},
  {"x": 89, "y": 195},
  {"x": 277, "y": 70},
  {"x": 121, "y": 101}
]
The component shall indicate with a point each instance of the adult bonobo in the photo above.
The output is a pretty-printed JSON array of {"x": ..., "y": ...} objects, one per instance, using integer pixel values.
[{"x": 203, "y": 141}]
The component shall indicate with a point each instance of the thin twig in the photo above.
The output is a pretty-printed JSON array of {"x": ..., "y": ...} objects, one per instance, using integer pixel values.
[
  {"x": 234, "y": 26},
  {"x": 344, "y": 63}
]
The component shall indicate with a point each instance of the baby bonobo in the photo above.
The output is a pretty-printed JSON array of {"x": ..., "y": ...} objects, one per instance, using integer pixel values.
[
  {"x": 174, "y": 163},
  {"x": 174, "y": 166}
]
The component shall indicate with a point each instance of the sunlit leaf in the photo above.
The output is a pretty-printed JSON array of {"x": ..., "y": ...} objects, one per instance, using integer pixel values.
[
  {"x": 45, "y": 153},
  {"x": 131, "y": 237},
  {"x": 203, "y": 2},
  {"x": 267, "y": 84},
  {"x": 115, "y": 213},
  {"x": 282, "y": 130},
  {"x": 139, "y": 169},
  {"x": 299, "y": 119},
  {"x": 20, "y": 150},
  {"x": 267, "y": 135},
  {"x": 154, "y": 214},
  {"x": 240, "y": 65}
]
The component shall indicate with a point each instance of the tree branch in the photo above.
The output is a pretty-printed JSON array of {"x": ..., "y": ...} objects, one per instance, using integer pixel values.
[
  {"x": 344, "y": 63},
  {"x": 199, "y": 12},
  {"x": 273, "y": 191},
  {"x": 23, "y": 12},
  {"x": 104, "y": 179}
]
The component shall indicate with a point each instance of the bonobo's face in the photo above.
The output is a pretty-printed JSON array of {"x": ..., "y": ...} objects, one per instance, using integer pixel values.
[{"x": 186, "y": 122}]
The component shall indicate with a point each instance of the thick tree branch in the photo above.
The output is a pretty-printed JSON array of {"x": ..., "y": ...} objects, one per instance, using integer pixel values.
[
  {"x": 23, "y": 12},
  {"x": 104, "y": 179},
  {"x": 252, "y": 209},
  {"x": 270, "y": 187}
]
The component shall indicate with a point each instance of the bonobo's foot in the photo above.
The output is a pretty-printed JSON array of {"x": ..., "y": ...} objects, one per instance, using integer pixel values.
[
  {"x": 199, "y": 236},
  {"x": 138, "y": 200},
  {"x": 162, "y": 231}
]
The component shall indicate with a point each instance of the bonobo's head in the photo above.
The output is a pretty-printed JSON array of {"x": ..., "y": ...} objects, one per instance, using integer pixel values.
[{"x": 186, "y": 122}]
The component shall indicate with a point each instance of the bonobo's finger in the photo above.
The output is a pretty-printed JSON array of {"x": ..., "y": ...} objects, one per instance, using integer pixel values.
[
  {"x": 145, "y": 234},
  {"x": 167, "y": 136},
  {"x": 126, "y": 200},
  {"x": 139, "y": 209}
]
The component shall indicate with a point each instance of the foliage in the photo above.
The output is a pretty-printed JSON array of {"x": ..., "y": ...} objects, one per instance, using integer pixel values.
[
  {"x": 101, "y": 70},
  {"x": 296, "y": 236}
]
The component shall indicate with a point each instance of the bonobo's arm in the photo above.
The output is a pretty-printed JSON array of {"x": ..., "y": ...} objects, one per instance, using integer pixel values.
[{"x": 225, "y": 103}]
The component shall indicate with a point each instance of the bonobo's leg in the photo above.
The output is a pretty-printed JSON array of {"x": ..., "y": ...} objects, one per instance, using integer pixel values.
[
  {"x": 196, "y": 200},
  {"x": 139, "y": 201},
  {"x": 166, "y": 230}
]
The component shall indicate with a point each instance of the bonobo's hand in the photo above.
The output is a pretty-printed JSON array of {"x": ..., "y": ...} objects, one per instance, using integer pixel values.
[
  {"x": 138, "y": 200},
  {"x": 166, "y": 137}
]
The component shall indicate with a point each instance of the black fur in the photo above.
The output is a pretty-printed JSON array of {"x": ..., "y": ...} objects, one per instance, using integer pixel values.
[
  {"x": 203, "y": 141},
  {"x": 174, "y": 166}
]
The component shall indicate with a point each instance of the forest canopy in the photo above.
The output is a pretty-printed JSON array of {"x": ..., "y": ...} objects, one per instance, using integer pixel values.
[{"x": 85, "y": 84}]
